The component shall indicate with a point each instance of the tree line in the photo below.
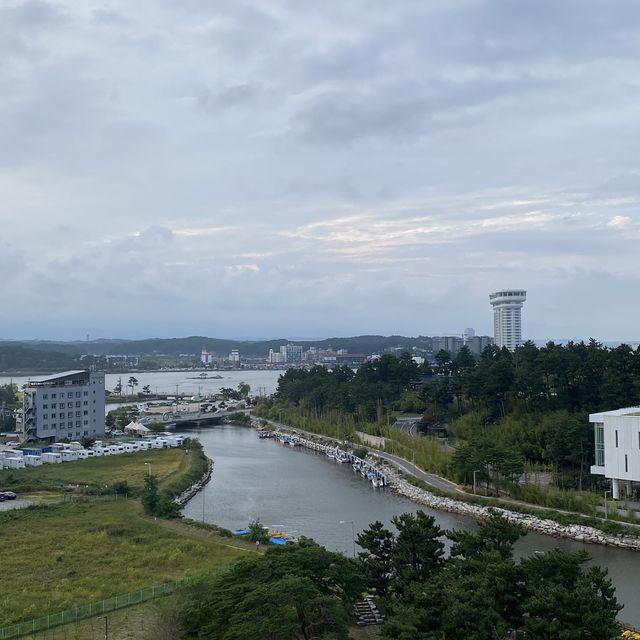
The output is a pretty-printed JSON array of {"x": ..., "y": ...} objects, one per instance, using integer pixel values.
[
  {"x": 476, "y": 591},
  {"x": 504, "y": 409}
]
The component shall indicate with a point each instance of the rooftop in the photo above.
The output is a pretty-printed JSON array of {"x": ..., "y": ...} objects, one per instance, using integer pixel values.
[
  {"x": 626, "y": 411},
  {"x": 57, "y": 377}
]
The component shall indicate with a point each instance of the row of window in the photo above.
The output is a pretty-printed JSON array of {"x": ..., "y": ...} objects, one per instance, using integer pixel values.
[
  {"x": 79, "y": 394},
  {"x": 54, "y": 405},
  {"x": 45, "y": 416},
  {"x": 64, "y": 425}
]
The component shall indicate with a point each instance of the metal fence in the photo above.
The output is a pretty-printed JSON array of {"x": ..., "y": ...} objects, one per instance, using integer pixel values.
[{"x": 89, "y": 610}]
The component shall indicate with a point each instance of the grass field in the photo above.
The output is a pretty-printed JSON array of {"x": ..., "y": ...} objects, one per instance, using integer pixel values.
[
  {"x": 98, "y": 473},
  {"x": 70, "y": 554},
  {"x": 144, "y": 622}
]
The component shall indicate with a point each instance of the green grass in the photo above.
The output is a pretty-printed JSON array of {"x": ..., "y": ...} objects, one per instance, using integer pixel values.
[
  {"x": 95, "y": 474},
  {"x": 70, "y": 554}
]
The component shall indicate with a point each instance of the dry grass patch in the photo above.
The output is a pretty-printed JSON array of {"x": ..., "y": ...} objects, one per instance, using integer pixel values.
[{"x": 71, "y": 554}]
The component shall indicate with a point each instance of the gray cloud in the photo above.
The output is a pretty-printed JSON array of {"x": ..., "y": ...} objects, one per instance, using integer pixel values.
[{"x": 282, "y": 167}]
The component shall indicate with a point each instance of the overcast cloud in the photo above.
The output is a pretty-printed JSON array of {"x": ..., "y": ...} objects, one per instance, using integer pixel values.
[{"x": 289, "y": 167}]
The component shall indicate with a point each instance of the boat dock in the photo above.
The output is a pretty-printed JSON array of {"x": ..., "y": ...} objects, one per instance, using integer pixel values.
[{"x": 369, "y": 471}]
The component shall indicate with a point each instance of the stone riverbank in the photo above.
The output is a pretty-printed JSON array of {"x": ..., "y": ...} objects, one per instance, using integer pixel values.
[
  {"x": 187, "y": 494},
  {"x": 577, "y": 532},
  {"x": 399, "y": 485}
]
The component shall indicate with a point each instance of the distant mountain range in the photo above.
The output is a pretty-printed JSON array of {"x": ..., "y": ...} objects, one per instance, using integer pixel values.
[{"x": 45, "y": 354}]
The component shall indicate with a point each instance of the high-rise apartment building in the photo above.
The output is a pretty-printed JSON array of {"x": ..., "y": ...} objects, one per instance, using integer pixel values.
[
  {"x": 65, "y": 405},
  {"x": 507, "y": 317}
]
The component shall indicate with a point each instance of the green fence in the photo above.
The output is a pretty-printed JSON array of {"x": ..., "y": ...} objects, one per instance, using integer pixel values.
[{"x": 89, "y": 610}]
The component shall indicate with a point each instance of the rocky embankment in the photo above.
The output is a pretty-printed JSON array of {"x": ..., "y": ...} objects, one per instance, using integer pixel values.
[
  {"x": 187, "y": 494},
  {"x": 577, "y": 532},
  {"x": 395, "y": 482}
]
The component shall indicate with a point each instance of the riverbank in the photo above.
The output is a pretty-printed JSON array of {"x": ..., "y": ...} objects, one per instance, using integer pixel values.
[
  {"x": 191, "y": 491},
  {"x": 418, "y": 495}
]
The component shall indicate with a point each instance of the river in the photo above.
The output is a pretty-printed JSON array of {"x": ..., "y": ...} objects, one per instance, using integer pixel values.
[
  {"x": 262, "y": 381},
  {"x": 309, "y": 494}
]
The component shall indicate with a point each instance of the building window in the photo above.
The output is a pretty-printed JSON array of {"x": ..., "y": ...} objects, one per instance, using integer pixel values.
[
  {"x": 54, "y": 405},
  {"x": 45, "y": 406},
  {"x": 85, "y": 393},
  {"x": 45, "y": 396},
  {"x": 599, "y": 441},
  {"x": 85, "y": 413},
  {"x": 77, "y": 414},
  {"x": 70, "y": 394},
  {"x": 69, "y": 405},
  {"x": 616, "y": 438},
  {"x": 86, "y": 403},
  {"x": 78, "y": 403},
  {"x": 53, "y": 395},
  {"x": 626, "y": 463}
]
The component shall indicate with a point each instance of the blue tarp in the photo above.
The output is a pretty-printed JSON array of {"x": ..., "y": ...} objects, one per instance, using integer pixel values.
[
  {"x": 241, "y": 532},
  {"x": 273, "y": 540}
]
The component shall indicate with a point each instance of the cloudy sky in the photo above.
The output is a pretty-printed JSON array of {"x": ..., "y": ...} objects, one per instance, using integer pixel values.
[{"x": 298, "y": 168}]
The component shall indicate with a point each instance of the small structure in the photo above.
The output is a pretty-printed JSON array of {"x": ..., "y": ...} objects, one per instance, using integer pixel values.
[{"x": 136, "y": 429}]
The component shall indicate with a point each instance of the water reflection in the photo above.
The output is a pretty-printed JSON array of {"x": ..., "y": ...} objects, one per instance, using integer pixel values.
[{"x": 310, "y": 495}]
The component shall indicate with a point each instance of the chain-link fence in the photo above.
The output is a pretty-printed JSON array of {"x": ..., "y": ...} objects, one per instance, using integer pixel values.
[{"x": 89, "y": 610}]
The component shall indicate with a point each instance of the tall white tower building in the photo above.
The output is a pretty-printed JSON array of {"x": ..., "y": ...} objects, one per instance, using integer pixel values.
[{"x": 507, "y": 317}]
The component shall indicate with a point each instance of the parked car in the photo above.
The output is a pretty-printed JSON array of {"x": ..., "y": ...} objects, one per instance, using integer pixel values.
[{"x": 7, "y": 495}]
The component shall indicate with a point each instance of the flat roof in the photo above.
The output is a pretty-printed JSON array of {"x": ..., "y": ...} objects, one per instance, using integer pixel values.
[
  {"x": 626, "y": 411},
  {"x": 58, "y": 376}
]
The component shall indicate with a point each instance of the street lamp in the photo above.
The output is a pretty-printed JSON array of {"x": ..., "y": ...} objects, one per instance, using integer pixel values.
[
  {"x": 606, "y": 491},
  {"x": 353, "y": 534},
  {"x": 148, "y": 464}
]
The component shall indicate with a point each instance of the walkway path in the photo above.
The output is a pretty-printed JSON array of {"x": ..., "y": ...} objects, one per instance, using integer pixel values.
[{"x": 439, "y": 483}]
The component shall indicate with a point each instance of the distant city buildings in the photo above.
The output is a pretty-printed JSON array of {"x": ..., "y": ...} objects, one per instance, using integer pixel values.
[
  {"x": 206, "y": 358},
  {"x": 65, "y": 405},
  {"x": 294, "y": 355},
  {"x": 477, "y": 344},
  {"x": 275, "y": 357},
  {"x": 121, "y": 361},
  {"x": 507, "y": 317},
  {"x": 617, "y": 453},
  {"x": 234, "y": 356},
  {"x": 452, "y": 344}
]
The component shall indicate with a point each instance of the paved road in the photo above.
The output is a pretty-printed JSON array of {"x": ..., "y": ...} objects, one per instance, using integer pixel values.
[{"x": 429, "y": 478}]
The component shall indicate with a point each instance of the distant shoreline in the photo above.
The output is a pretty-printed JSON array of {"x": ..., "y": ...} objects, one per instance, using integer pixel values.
[{"x": 44, "y": 372}]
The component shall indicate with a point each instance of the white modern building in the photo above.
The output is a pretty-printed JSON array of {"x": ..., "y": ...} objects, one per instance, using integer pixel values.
[
  {"x": 507, "y": 317},
  {"x": 617, "y": 449},
  {"x": 65, "y": 405}
]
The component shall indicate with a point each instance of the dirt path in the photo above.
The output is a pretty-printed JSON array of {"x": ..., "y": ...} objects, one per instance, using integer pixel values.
[{"x": 186, "y": 529}]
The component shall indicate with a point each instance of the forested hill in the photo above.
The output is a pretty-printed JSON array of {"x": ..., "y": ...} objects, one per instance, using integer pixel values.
[{"x": 23, "y": 354}]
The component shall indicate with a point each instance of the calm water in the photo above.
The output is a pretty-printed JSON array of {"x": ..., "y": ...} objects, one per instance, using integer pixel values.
[
  {"x": 310, "y": 495},
  {"x": 170, "y": 382}
]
